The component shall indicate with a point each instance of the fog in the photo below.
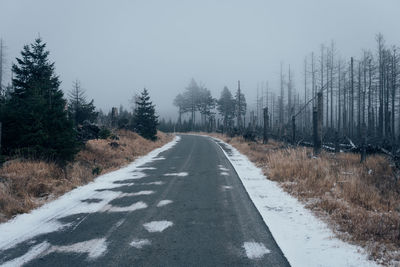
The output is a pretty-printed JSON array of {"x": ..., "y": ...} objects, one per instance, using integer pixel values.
[{"x": 115, "y": 48}]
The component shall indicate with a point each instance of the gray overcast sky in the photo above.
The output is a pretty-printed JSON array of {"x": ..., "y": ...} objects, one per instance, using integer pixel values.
[{"x": 118, "y": 47}]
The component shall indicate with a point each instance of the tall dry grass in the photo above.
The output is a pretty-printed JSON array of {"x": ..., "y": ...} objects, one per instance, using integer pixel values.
[
  {"x": 360, "y": 201},
  {"x": 27, "y": 184}
]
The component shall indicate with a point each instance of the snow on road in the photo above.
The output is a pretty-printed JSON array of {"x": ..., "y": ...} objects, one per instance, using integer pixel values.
[
  {"x": 136, "y": 206},
  {"x": 45, "y": 219},
  {"x": 181, "y": 174},
  {"x": 255, "y": 250},
  {"x": 164, "y": 202},
  {"x": 303, "y": 238},
  {"x": 140, "y": 243},
  {"x": 157, "y": 226},
  {"x": 94, "y": 248}
]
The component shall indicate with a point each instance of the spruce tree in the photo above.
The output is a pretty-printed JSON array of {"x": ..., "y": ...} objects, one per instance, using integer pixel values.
[
  {"x": 226, "y": 107},
  {"x": 35, "y": 118},
  {"x": 79, "y": 109},
  {"x": 145, "y": 119}
]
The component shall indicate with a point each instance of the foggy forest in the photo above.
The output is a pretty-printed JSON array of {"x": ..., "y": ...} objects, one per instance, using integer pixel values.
[{"x": 210, "y": 133}]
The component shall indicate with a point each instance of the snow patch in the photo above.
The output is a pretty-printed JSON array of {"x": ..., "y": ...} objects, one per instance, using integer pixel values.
[
  {"x": 223, "y": 169},
  {"x": 136, "y": 175},
  {"x": 94, "y": 248},
  {"x": 140, "y": 243},
  {"x": 303, "y": 238},
  {"x": 147, "y": 168},
  {"x": 181, "y": 174},
  {"x": 255, "y": 250},
  {"x": 159, "y": 158},
  {"x": 157, "y": 226},
  {"x": 136, "y": 206},
  {"x": 153, "y": 183},
  {"x": 46, "y": 218},
  {"x": 164, "y": 202},
  {"x": 140, "y": 193}
]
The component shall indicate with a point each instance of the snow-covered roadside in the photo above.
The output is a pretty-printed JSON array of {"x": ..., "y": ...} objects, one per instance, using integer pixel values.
[
  {"x": 303, "y": 238},
  {"x": 44, "y": 219}
]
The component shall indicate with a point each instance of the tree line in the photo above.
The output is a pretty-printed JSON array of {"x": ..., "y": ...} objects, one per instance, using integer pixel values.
[
  {"x": 197, "y": 99},
  {"x": 361, "y": 99},
  {"x": 37, "y": 121}
]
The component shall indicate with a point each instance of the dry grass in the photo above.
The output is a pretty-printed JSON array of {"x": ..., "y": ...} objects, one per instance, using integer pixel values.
[
  {"x": 360, "y": 201},
  {"x": 27, "y": 184}
]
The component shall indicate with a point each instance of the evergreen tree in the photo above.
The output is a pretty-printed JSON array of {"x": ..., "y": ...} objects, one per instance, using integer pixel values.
[
  {"x": 240, "y": 107},
  {"x": 206, "y": 104},
  {"x": 145, "y": 119},
  {"x": 226, "y": 107},
  {"x": 79, "y": 110},
  {"x": 34, "y": 117}
]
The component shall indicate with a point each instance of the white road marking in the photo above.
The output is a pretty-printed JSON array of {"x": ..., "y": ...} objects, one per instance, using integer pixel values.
[
  {"x": 158, "y": 158},
  {"x": 176, "y": 174},
  {"x": 164, "y": 202},
  {"x": 136, "y": 206},
  {"x": 225, "y": 173},
  {"x": 157, "y": 226},
  {"x": 255, "y": 250},
  {"x": 223, "y": 169},
  {"x": 139, "y": 243}
]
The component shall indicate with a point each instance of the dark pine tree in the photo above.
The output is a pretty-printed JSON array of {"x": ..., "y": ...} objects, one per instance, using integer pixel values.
[
  {"x": 35, "y": 118},
  {"x": 145, "y": 119}
]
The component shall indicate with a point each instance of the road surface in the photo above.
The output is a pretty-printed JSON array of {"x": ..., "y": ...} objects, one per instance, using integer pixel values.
[{"x": 190, "y": 209}]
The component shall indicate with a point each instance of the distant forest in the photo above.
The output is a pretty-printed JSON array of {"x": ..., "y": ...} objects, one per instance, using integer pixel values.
[{"x": 360, "y": 97}]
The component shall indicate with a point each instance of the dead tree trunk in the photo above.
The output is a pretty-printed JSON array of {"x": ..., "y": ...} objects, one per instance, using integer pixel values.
[
  {"x": 266, "y": 125},
  {"x": 317, "y": 148},
  {"x": 293, "y": 129},
  {"x": 364, "y": 143},
  {"x": 320, "y": 117},
  {"x": 1, "y": 129},
  {"x": 317, "y": 124},
  {"x": 351, "y": 120}
]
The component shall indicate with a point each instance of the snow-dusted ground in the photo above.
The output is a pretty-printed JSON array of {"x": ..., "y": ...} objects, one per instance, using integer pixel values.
[
  {"x": 303, "y": 238},
  {"x": 44, "y": 219}
]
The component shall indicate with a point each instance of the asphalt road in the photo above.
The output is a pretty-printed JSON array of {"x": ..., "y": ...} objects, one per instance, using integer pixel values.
[{"x": 205, "y": 218}]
